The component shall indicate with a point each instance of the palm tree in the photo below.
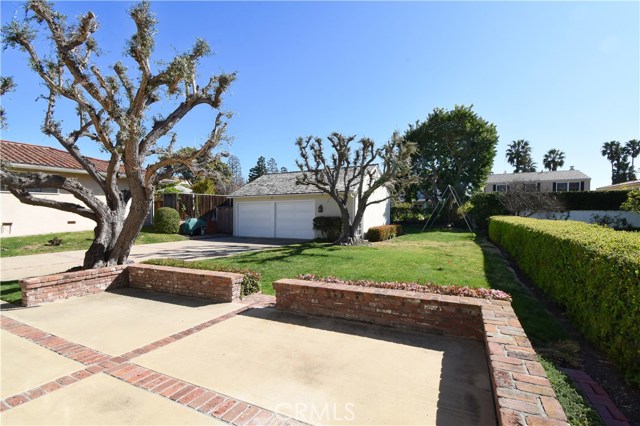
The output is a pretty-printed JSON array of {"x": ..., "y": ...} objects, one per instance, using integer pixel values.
[
  {"x": 519, "y": 156},
  {"x": 612, "y": 150},
  {"x": 553, "y": 159},
  {"x": 633, "y": 149}
]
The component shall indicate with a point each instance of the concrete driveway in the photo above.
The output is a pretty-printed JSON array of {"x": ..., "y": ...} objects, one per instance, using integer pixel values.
[
  {"x": 134, "y": 357},
  {"x": 15, "y": 268}
]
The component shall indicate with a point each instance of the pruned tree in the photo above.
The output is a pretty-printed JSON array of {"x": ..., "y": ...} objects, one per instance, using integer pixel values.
[
  {"x": 553, "y": 159},
  {"x": 114, "y": 111},
  {"x": 519, "y": 156},
  {"x": 351, "y": 171}
]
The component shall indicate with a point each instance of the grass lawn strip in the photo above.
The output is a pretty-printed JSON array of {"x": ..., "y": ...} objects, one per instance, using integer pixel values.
[{"x": 37, "y": 244}]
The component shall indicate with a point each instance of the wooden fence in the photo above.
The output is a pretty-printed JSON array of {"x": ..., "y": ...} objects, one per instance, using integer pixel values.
[{"x": 216, "y": 210}]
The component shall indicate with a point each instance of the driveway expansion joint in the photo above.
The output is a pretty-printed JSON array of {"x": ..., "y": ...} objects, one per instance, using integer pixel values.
[{"x": 200, "y": 399}]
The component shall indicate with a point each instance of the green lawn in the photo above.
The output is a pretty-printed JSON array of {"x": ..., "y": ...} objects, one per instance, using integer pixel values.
[
  {"x": 37, "y": 244},
  {"x": 441, "y": 257},
  {"x": 10, "y": 291}
]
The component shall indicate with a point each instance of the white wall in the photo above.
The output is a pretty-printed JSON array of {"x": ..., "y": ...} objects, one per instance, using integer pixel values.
[
  {"x": 20, "y": 219},
  {"x": 377, "y": 214},
  {"x": 590, "y": 216}
]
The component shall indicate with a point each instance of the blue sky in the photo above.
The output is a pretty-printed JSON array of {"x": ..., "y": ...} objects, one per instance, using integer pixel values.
[{"x": 560, "y": 74}]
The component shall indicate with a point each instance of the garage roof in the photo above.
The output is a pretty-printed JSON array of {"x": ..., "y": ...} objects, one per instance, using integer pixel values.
[{"x": 278, "y": 184}]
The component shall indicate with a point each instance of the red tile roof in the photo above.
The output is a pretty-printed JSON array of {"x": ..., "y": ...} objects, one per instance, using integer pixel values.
[{"x": 37, "y": 155}]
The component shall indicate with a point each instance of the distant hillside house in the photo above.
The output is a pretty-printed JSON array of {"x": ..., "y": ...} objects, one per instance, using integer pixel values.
[
  {"x": 558, "y": 181},
  {"x": 23, "y": 219},
  {"x": 273, "y": 206}
]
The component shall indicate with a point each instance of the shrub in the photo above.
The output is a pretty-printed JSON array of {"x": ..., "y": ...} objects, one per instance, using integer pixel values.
[
  {"x": 632, "y": 203},
  {"x": 383, "y": 232},
  {"x": 407, "y": 213},
  {"x": 591, "y": 271},
  {"x": 250, "y": 282},
  {"x": 166, "y": 220},
  {"x": 329, "y": 226},
  {"x": 482, "y": 206}
]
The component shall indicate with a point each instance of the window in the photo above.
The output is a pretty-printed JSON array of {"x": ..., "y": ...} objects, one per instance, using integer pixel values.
[
  {"x": 567, "y": 186},
  {"x": 501, "y": 188}
]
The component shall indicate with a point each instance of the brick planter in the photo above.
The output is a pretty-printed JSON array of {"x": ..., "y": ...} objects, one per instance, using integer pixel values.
[
  {"x": 522, "y": 393},
  {"x": 50, "y": 288},
  {"x": 212, "y": 285}
]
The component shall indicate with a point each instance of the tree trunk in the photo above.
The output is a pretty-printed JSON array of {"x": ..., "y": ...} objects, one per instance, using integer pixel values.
[{"x": 115, "y": 235}]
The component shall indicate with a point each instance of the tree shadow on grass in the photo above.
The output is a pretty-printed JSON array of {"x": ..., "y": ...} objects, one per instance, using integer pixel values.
[{"x": 10, "y": 292}]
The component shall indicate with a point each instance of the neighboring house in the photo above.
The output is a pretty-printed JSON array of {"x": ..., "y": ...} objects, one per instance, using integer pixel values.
[
  {"x": 632, "y": 184},
  {"x": 23, "y": 219},
  {"x": 275, "y": 206},
  {"x": 558, "y": 181}
]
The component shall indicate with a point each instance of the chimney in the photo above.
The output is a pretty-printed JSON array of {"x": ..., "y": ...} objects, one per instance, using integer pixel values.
[{"x": 571, "y": 168}]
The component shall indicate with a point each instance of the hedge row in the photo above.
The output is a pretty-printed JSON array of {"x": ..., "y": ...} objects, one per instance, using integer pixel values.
[
  {"x": 383, "y": 232},
  {"x": 591, "y": 271},
  {"x": 592, "y": 200}
]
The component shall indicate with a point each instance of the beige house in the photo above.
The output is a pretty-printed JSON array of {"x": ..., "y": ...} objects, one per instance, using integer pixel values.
[
  {"x": 23, "y": 219},
  {"x": 632, "y": 184},
  {"x": 273, "y": 206},
  {"x": 558, "y": 181}
]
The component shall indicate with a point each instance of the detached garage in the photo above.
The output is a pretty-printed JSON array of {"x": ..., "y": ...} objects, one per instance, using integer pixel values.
[{"x": 273, "y": 206}]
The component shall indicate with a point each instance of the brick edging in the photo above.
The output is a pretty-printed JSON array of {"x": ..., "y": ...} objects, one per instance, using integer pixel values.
[{"x": 522, "y": 393}]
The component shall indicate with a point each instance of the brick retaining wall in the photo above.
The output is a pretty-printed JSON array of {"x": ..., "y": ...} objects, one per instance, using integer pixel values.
[
  {"x": 522, "y": 393},
  {"x": 212, "y": 285},
  {"x": 71, "y": 284}
]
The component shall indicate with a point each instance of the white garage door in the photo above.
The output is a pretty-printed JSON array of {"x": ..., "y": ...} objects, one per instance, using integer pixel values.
[
  {"x": 294, "y": 219},
  {"x": 255, "y": 219}
]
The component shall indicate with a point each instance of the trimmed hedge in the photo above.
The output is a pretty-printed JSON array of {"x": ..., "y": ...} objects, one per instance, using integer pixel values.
[
  {"x": 383, "y": 232},
  {"x": 166, "y": 220},
  {"x": 591, "y": 271},
  {"x": 592, "y": 200}
]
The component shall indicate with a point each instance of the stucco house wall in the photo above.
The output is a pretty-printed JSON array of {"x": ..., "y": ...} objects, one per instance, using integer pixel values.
[{"x": 19, "y": 219}]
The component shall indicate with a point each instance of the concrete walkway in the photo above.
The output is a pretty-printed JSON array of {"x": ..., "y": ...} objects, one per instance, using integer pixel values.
[
  {"x": 120, "y": 358},
  {"x": 15, "y": 268}
]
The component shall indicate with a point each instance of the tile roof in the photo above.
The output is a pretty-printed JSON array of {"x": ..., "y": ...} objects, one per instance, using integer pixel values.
[
  {"x": 537, "y": 176},
  {"x": 278, "y": 184},
  {"x": 37, "y": 155}
]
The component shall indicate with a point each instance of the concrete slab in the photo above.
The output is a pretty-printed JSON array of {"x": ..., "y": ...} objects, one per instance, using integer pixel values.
[
  {"x": 18, "y": 357},
  {"x": 118, "y": 322},
  {"x": 103, "y": 400},
  {"x": 325, "y": 371}
]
